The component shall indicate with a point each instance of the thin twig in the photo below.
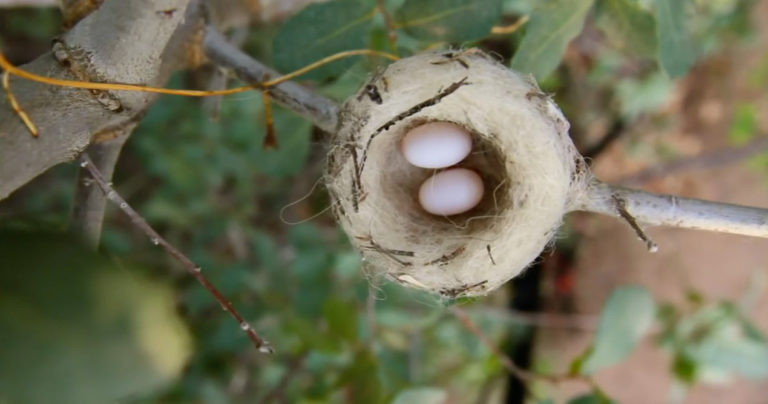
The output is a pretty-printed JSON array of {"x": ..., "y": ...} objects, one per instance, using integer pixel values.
[
  {"x": 270, "y": 138},
  {"x": 194, "y": 270},
  {"x": 621, "y": 207},
  {"x": 89, "y": 202},
  {"x": 16, "y": 107},
  {"x": 508, "y": 29},
  {"x": 668, "y": 210},
  {"x": 522, "y": 374},
  {"x": 582, "y": 322}
]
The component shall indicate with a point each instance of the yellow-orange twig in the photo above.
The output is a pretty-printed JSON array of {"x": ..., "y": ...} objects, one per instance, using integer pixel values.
[
  {"x": 508, "y": 29},
  {"x": 8, "y": 67},
  {"x": 16, "y": 107},
  {"x": 270, "y": 139}
]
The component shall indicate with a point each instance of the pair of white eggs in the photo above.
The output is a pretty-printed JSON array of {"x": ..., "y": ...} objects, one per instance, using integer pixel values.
[{"x": 439, "y": 145}]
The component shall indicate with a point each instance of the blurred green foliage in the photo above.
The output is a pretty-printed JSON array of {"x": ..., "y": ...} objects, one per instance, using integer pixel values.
[
  {"x": 80, "y": 328},
  {"x": 341, "y": 334},
  {"x": 626, "y": 318}
]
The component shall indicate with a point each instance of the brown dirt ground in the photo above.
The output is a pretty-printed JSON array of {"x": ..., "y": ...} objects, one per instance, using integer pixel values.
[{"x": 719, "y": 266}]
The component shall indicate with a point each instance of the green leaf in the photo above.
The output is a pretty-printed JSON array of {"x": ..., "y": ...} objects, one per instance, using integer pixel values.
[
  {"x": 717, "y": 339},
  {"x": 448, "y": 20},
  {"x": 743, "y": 124},
  {"x": 640, "y": 95},
  {"x": 77, "y": 328},
  {"x": 626, "y": 318},
  {"x": 320, "y": 30},
  {"x": 627, "y": 26},
  {"x": 422, "y": 395},
  {"x": 676, "y": 52},
  {"x": 684, "y": 369},
  {"x": 552, "y": 26},
  {"x": 591, "y": 398}
]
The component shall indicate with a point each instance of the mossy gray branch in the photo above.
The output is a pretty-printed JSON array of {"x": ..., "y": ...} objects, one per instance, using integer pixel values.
[
  {"x": 668, "y": 210},
  {"x": 320, "y": 110}
]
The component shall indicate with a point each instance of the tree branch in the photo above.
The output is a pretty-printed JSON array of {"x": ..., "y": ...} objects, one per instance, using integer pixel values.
[
  {"x": 123, "y": 42},
  {"x": 321, "y": 111},
  {"x": 193, "y": 269},
  {"x": 89, "y": 201},
  {"x": 668, "y": 210}
]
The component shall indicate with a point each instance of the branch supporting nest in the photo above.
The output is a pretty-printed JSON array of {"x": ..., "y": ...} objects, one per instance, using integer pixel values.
[{"x": 668, "y": 210}]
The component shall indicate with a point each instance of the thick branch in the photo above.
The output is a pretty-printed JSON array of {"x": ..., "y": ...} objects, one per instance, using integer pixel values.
[
  {"x": 668, "y": 210},
  {"x": 90, "y": 203},
  {"x": 122, "y": 41},
  {"x": 323, "y": 112}
]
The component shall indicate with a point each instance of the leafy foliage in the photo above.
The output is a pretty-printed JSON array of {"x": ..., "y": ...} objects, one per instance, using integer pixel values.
[
  {"x": 676, "y": 51},
  {"x": 712, "y": 342},
  {"x": 553, "y": 24},
  {"x": 627, "y": 26},
  {"x": 320, "y": 30},
  {"x": 448, "y": 20},
  {"x": 626, "y": 318}
]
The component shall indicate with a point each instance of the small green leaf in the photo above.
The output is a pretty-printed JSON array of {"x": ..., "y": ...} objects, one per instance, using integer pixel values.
[
  {"x": 626, "y": 318},
  {"x": 743, "y": 125},
  {"x": 627, "y": 26},
  {"x": 591, "y": 398},
  {"x": 448, "y": 20},
  {"x": 320, "y": 30},
  {"x": 77, "y": 328},
  {"x": 676, "y": 52},
  {"x": 551, "y": 28},
  {"x": 423, "y": 395},
  {"x": 684, "y": 369}
]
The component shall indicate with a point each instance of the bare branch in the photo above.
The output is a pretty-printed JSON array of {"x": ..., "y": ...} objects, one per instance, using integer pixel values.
[
  {"x": 322, "y": 111},
  {"x": 193, "y": 269},
  {"x": 668, "y": 210},
  {"x": 90, "y": 203}
]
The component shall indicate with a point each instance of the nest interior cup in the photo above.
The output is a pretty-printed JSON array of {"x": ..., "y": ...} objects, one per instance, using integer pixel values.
[{"x": 531, "y": 172}]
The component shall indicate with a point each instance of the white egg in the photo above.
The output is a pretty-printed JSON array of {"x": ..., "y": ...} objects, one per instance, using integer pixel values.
[
  {"x": 436, "y": 145},
  {"x": 451, "y": 192}
]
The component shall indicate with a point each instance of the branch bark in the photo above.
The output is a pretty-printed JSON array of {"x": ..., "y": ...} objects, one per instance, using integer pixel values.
[
  {"x": 668, "y": 210},
  {"x": 122, "y": 41},
  {"x": 321, "y": 111}
]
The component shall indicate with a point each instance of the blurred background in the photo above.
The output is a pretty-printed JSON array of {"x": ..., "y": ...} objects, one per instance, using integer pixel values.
[{"x": 128, "y": 325}]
